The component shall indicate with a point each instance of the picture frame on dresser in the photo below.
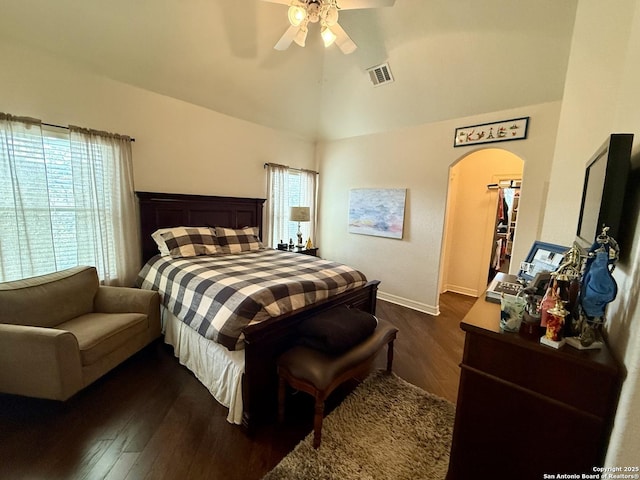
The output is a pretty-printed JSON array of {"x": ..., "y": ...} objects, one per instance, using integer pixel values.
[{"x": 542, "y": 257}]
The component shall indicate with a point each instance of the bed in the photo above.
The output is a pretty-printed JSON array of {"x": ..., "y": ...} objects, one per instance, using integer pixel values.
[{"x": 241, "y": 376}]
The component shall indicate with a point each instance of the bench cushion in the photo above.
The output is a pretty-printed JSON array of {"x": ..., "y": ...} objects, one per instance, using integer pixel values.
[
  {"x": 336, "y": 330},
  {"x": 321, "y": 369}
]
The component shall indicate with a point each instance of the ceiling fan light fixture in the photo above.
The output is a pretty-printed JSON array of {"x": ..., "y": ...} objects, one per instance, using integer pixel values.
[
  {"x": 296, "y": 15},
  {"x": 301, "y": 36},
  {"x": 325, "y": 12},
  {"x": 331, "y": 17},
  {"x": 328, "y": 37},
  {"x": 313, "y": 10}
]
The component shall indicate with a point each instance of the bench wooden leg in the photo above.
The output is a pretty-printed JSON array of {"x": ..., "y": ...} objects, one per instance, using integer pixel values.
[
  {"x": 282, "y": 386},
  {"x": 317, "y": 422},
  {"x": 389, "y": 356}
]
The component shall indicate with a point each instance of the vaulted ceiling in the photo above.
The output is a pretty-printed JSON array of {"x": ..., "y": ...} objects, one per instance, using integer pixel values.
[{"x": 449, "y": 58}]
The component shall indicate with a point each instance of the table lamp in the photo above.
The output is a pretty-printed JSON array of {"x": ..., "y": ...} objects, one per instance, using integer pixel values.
[{"x": 300, "y": 214}]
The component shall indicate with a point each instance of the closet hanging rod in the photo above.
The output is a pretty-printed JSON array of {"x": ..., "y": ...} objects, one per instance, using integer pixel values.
[
  {"x": 504, "y": 184},
  {"x": 67, "y": 128}
]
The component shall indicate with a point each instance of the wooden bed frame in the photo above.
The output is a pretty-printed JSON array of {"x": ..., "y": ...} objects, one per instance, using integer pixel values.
[{"x": 265, "y": 341}]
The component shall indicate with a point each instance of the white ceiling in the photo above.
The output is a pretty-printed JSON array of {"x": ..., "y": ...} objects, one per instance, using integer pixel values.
[{"x": 450, "y": 58}]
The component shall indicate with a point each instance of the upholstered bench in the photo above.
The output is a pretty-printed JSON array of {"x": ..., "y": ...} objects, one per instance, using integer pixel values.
[{"x": 319, "y": 373}]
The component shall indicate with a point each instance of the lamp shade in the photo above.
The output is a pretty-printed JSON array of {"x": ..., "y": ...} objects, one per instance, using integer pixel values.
[{"x": 300, "y": 214}]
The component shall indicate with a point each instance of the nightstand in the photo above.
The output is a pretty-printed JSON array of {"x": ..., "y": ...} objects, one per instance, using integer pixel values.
[{"x": 306, "y": 251}]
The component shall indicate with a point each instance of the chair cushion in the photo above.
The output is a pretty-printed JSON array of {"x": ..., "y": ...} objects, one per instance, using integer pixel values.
[
  {"x": 336, "y": 330},
  {"x": 99, "y": 334},
  {"x": 48, "y": 300},
  {"x": 320, "y": 369}
]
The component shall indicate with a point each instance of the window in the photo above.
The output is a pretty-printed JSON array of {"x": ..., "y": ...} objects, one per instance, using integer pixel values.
[
  {"x": 59, "y": 202},
  {"x": 288, "y": 188}
]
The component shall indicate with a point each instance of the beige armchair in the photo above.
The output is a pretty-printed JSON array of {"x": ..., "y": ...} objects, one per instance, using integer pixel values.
[{"x": 62, "y": 331}]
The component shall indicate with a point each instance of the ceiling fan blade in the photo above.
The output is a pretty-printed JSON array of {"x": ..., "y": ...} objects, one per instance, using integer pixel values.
[
  {"x": 343, "y": 40},
  {"x": 287, "y": 38},
  {"x": 356, "y": 4}
]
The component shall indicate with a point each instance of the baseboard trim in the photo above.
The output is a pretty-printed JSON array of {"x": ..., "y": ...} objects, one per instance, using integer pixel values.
[
  {"x": 469, "y": 292},
  {"x": 405, "y": 302}
]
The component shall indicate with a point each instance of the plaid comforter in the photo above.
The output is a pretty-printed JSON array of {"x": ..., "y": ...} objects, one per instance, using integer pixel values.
[{"x": 221, "y": 295}]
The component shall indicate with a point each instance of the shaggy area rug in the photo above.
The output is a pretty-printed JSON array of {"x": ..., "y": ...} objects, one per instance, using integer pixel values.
[{"x": 385, "y": 429}]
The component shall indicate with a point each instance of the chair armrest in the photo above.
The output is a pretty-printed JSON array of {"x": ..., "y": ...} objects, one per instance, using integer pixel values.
[
  {"x": 39, "y": 362},
  {"x": 130, "y": 300},
  {"x": 126, "y": 300}
]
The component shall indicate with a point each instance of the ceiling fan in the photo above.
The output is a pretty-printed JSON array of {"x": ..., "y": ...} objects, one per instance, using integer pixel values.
[{"x": 303, "y": 12}]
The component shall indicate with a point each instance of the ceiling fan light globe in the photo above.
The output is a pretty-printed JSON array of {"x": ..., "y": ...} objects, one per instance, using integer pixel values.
[
  {"x": 301, "y": 37},
  {"x": 328, "y": 37},
  {"x": 296, "y": 15},
  {"x": 331, "y": 18}
]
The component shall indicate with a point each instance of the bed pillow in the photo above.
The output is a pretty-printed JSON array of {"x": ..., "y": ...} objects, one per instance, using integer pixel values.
[
  {"x": 336, "y": 330},
  {"x": 237, "y": 240},
  {"x": 190, "y": 241},
  {"x": 162, "y": 246}
]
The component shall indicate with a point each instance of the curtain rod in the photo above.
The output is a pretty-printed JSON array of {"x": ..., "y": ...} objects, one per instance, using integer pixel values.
[
  {"x": 290, "y": 168},
  {"x": 67, "y": 128}
]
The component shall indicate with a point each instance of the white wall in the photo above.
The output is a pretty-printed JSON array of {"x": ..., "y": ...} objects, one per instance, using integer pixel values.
[
  {"x": 602, "y": 97},
  {"x": 180, "y": 147},
  {"x": 418, "y": 159}
]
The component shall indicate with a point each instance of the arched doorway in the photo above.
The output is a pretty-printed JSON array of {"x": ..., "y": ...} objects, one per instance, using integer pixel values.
[{"x": 470, "y": 223}]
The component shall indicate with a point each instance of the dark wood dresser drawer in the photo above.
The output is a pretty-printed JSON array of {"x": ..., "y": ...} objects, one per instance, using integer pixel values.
[{"x": 569, "y": 377}]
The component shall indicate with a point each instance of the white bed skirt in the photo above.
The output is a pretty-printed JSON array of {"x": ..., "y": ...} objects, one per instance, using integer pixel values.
[{"x": 217, "y": 368}]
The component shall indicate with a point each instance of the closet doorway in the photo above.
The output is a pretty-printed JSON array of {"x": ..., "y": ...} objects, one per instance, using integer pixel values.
[
  {"x": 506, "y": 222},
  {"x": 471, "y": 216}
]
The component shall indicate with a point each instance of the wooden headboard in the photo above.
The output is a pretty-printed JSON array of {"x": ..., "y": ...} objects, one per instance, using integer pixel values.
[{"x": 163, "y": 210}]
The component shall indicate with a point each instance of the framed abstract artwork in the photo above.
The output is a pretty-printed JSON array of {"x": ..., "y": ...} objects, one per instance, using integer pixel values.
[{"x": 377, "y": 211}]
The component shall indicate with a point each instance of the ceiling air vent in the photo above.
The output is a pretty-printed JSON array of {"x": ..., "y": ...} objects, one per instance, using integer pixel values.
[{"x": 380, "y": 74}]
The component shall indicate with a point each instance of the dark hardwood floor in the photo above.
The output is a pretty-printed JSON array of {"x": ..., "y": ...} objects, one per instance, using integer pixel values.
[{"x": 150, "y": 418}]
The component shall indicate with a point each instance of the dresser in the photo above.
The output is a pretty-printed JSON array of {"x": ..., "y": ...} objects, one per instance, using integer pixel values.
[{"x": 525, "y": 409}]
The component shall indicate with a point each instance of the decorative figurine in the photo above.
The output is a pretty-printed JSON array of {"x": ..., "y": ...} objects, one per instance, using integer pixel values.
[
  {"x": 555, "y": 323},
  {"x": 598, "y": 288},
  {"x": 548, "y": 300}
]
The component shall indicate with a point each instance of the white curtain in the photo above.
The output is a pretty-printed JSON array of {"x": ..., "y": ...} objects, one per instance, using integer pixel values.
[
  {"x": 103, "y": 184},
  {"x": 308, "y": 192},
  {"x": 288, "y": 188},
  {"x": 66, "y": 200},
  {"x": 277, "y": 204},
  {"x": 26, "y": 231}
]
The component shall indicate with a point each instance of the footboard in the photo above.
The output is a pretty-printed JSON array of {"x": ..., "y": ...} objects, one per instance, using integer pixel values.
[{"x": 265, "y": 341}]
